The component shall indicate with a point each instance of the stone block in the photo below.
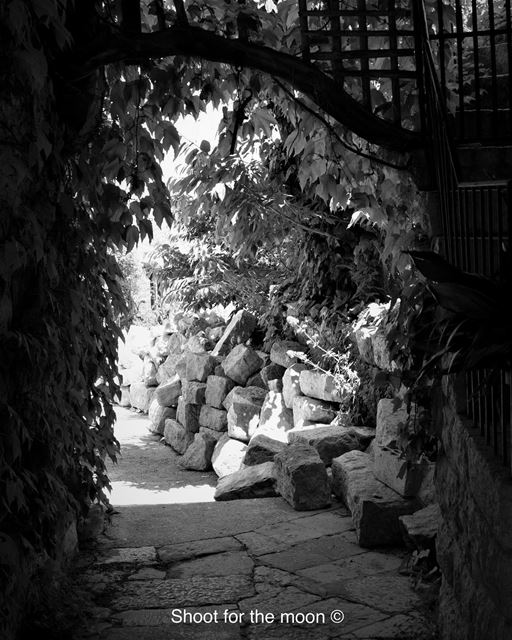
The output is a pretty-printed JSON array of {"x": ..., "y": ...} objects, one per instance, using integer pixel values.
[
  {"x": 149, "y": 372},
  {"x": 375, "y": 508},
  {"x": 216, "y": 435},
  {"x": 167, "y": 370},
  {"x": 393, "y": 471},
  {"x": 216, "y": 419},
  {"x": 198, "y": 456},
  {"x": 141, "y": 396},
  {"x": 391, "y": 421},
  {"x": 123, "y": 399},
  {"x": 239, "y": 329},
  {"x": 291, "y": 383},
  {"x": 217, "y": 388},
  {"x": 177, "y": 436},
  {"x": 199, "y": 366},
  {"x": 167, "y": 393},
  {"x": 257, "y": 381},
  {"x": 272, "y": 373},
  {"x": 241, "y": 363},
  {"x": 198, "y": 343},
  {"x": 284, "y": 352},
  {"x": 307, "y": 410},
  {"x": 262, "y": 448},
  {"x": 332, "y": 441},
  {"x": 250, "y": 482},
  {"x": 188, "y": 415},
  {"x": 275, "y": 418},
  {"x": 249, "y": 395},
  {"x": 194, "y": 392},
  {"x": 158, "y": 415},
  {"x": 420, "y": 528},
  {"x": 321, "y": 385},
  {"x": 228, "y": 455},
  {"x": 243, "y": 420},
  {"x": 301, "y": 478}
]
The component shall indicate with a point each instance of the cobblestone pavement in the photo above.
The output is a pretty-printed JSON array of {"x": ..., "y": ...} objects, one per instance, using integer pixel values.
[{"x": 175, "y": 565}]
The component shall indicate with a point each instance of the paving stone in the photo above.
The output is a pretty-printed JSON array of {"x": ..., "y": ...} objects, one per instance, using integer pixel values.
[
  {"x": 164, "y": 617},
  {"x": 167, "y": 393},
  {"x": 148, "y": 573},
  {"x": 128, "y": 555},
  {"x": 399, "y": 627},
  {"x": 420, "y": 528},
  {"x": 141, "y": 396},
  {"x": 188, "y": 415},
  {"x": 157, "y": 415},
  {"x": 278, "y": 631},
  {"x": 228, "y": 455},
  {"x": 291, "y": 383},
  {"x": 219, "y": 564},
  {"x": 275, "y": 417},
  {"x": 249, "y": 395},
  {"x": 241, "y": 363},
  {"x": 177, "y": 436},
  {"x": 216, "y": 419},
  {"x": 287, "y": 599},
  {"x": 217, "y": 388},
  {"x": 374, "y": 507},
  {"x": 198, "y": 548},
  {"x": 307, "y": 410},
  {"x": 250, "y": 482},
  {"x": 175, "y": 632},
  {"x": 283, "y": 352},
  {"x": 262, "y": 448},
  {"x": 321, "y": 385},
  {"x": 301, "y": 478},
  {"x": 332, "y": 441},
  {"x": 194, "y": 392},
  {"x": 389, "y": 593},
  {"x": 193, "y": 591},
  {"x": 198, "y": 455},
  {"x": 259, "y": 544},
  {"x": 199, "y": 366},
  {"x": 239, "y": 329}
]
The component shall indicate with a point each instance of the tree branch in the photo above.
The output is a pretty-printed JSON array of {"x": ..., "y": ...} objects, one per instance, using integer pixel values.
[{"x": 303, "y": 76}]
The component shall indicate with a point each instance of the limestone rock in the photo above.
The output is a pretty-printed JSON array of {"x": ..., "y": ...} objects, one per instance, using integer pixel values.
[
  {"x": 241, "y": 363},
  {"x": 249, "y": 395},
  {"x": 149, "y": 373},
  {"x": 301, "y": 478},
  {"x": 228, "y": 455},
  {"x": 216, "y": 419},
  {"x": 124, "y": 397},
  {"x": 141, "y": 396},
  {"x": 216, "y": 435},
  {"x": 272, "y": 373},
  {"x": 391, "y": 420},
  {"x": 243, "y": 420},
  {"x": 284, "y": 352},
  {"x": 291, "y": 383},
  {"x": 393, "y": 471},
  {"x": 188, "y": 415},
  {"x": 217, "y": 388},
  {"x": 167, "y": 370},
  {"x": 332, "y": 441},
  {"x": 158, "y": 415},
  {"x": 198, "y": 343},
  {"x": 177, "y": 436},
  {"x": 262, "y": 448},
  {"x": 311, "y": 410},
  {"x": 374, "y": 507},
  {"x": 239, "y": 329},
  {"x": 256, "y": 381},
  {"x": 199, "y": 366},
  {"x": 193, "y": 392},
  {"x": 167, "y": 393},
  {"x": 198, "y": 456},
  {"x": 420, "y": 528},
  {"x": 320, "y": 385},
  {"x": 275, "y": 417},
  {"x": 251, "y": 482}
]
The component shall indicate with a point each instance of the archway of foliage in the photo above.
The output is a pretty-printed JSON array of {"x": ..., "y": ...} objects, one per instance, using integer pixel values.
[{"x": 87, "y": 111}]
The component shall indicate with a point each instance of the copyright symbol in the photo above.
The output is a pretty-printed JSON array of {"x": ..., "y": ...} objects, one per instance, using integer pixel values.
[{"x": 337, "y": 616}]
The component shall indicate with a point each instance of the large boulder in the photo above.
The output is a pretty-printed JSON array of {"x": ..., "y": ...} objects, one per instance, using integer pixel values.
[
  {"x": 188, "y": 415},
  {"x": 141, "y": 396},
  {"x": 332, "y": 441},
  {"x": 241, "y": 363},
  {"x": 216, "y": 419},
  {"x": 158, "y": 415},
  {"x": 321, "y": 385},
  {"x": 249, "y": 395},
  {"x": 286, "y": 352},
  {"x": 262, "y": 448},
  {"x": 375, "y": 508},
  {"x": 198, "y": 456},
  {"x": 239, "y": 329},
  {"x": 275, "y": 418},
  {"x": 228, "y": 455},
  {"x": 193, "y": 392},
  {"x": 301, "y": 478},
  {"x": 309, "y": 410},
  {"x": 291, "y": 383},
  {"x": 217, "y": 388},
  {"x": 168, "y": 393},
  {"x": 252, "y": 482},
  {"x": 177, "y": 436}
]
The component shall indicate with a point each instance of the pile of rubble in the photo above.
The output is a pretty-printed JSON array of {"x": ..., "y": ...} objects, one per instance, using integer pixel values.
[{"x": 269, "y": 424}]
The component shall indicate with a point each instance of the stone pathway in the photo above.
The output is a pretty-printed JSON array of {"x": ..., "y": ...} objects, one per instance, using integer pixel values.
[{"x": 175, "y": 565}]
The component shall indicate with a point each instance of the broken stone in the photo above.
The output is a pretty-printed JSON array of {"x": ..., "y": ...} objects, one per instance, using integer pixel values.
[
  {"x": 250, "y": 482},
  {"x": 332, "y": 441},
  {"x": 256, "y": 381},
  {"x": 262, "y": 448},
  {"x": 197, "y": 343},
  {"x": 301, "y": 478},
  {"x": 141, "y": 396},
  {"x": 193, "y": 392},
  {"x": 249, "y": 395},
  {"x": 307, "y": 410},
  {"x": 391, "y": 421},
  {"x": 213, "y": 418},
  {"x": 167, "y": 369},
  {"x": 241, "y": 363},
  {"x": 167, "y": 393},
  {"x": 217, "y": 388},
  {"x": 239, "y": 329},
  {"x": 285, "y": 352},
  {"x": 396, "y": 473},
  {"x": 272, "y": 373},
  {"x": 322, "y": 386},
  {"x": 216, "y": 435},
  {"x": 228, "y": 455},
  {"x": 420, "y": 528},
  {"x": 375, "y": 508},
  {"x": 177, "y": 436},
  {"x": 198, "y": 456},
  {"x": 158, "y": 415},
  {"x": 188, "y": 415},
  {"x": 275, "y": 418},
  {"x": 243, "y": 420},
  {"x": 199, "y": 366},
  {"x": 291, "y": 383}
]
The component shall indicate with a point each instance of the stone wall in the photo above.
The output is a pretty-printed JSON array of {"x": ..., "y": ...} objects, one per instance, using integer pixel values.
[{"x": 474, "y": 543}]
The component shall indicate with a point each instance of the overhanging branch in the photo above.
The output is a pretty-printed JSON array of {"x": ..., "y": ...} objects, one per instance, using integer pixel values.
[{"x": 303, "y": 76}]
